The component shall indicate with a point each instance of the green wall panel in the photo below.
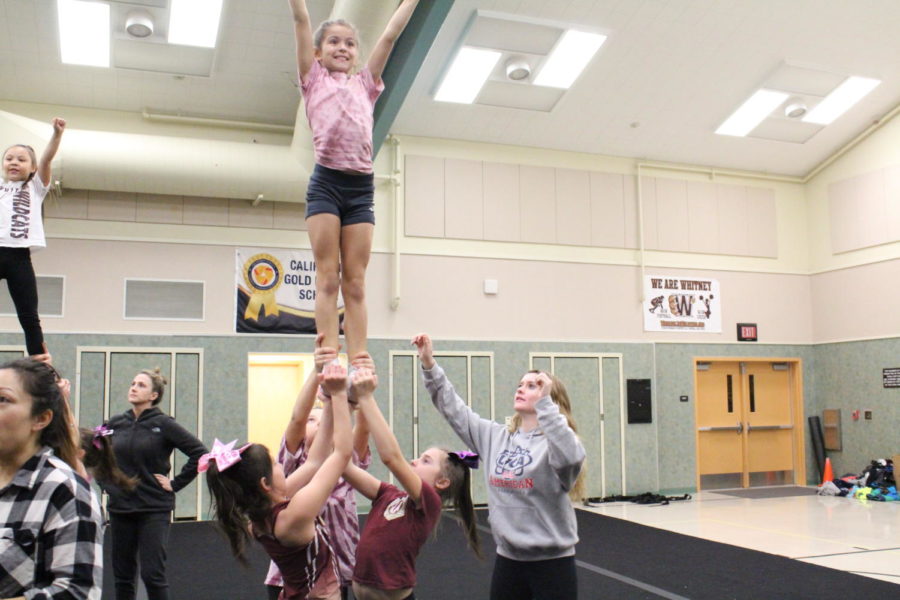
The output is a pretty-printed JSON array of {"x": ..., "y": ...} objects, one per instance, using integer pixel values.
[{"x": 659, "y": 455}]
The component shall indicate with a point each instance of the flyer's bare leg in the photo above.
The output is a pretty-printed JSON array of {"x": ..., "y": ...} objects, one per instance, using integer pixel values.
[
  {"x": 356, "y": 247},
  {"x": 325, "y": 238}
]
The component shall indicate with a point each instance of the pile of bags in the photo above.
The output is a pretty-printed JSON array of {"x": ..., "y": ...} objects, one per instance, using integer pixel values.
[{"x": 876, "y": 482}]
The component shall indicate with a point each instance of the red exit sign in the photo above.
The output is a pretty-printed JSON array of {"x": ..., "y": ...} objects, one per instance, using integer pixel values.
[{"x": 746, "y": 332}]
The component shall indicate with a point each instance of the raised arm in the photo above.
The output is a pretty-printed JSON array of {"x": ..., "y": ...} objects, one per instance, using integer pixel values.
[
  {"x": 362, "y": 360},
  {"x": 362, "y": 481},
  {"x": 318, "y": 452},
  {"x": 306, "y": 399},
  {"x": 296, "y": 523},
  {"x": 474, "y": 431},
  {"x": 303, "y": 36},
  {"x": 59, "y": 125},
  {"x": 564, "y": 450},
  {"x": 382, "y": 50},
  {"x": 364, "y": 382}
]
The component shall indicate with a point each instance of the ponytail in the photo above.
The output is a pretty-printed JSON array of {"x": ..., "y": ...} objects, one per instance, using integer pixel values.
[
  {"x": 459, "y": 495},
  {"x": 237, "y": 498},
  {"x": 100, "y": 460}
]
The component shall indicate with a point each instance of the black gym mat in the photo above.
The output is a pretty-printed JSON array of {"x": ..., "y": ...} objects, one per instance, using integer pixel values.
[
  {"x": 689, "y": 567},
  {"x": 617, "y": 560}
]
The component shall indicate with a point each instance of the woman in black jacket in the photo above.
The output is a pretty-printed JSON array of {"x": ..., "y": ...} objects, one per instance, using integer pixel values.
[{"x": 143, "y": 439}]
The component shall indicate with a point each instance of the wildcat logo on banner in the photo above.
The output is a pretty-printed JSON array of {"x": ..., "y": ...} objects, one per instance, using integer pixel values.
[
  {"x": 276, "y": 291},
  {"x": 675, "y": 303}
]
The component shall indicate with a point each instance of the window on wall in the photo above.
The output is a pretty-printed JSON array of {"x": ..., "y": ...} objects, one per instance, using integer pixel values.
[
  {"x": 160, "y": 299},
  {"x": 50, "y": 291}
]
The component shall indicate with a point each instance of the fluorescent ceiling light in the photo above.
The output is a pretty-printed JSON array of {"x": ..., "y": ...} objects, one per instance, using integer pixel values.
[
  {"x": 851, "y": 91},
  {"x": 83, "y": 32},
  {"x": 467, "y": 74},
  {"x": 752, "y": 112},
  {"x": 194, "y": 22},
  {"x": 568, "y": 59}
]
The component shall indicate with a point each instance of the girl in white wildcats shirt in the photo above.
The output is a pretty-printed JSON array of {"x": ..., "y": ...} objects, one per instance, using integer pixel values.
[
  {"x": 533, "y": 469},
  {"x": 25, "y": 183}
]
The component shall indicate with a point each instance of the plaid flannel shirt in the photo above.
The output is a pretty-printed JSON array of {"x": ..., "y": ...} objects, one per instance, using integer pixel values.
[{"x": 50, "y": 533}]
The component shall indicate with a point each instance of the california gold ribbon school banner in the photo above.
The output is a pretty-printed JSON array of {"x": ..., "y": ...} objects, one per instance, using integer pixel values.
[
  {"x": 673, "y": 303},
  {"x": 276, "y": 291}
]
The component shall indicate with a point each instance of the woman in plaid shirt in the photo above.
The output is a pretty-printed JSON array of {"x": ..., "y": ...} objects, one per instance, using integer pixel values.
[{"x": 50, "y": 526}]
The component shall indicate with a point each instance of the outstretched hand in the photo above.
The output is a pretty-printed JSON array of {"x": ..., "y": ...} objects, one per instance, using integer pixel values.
[
  {"x": 423, "y": 344},
  {"x": 333, "y": 379},
  {"x": 323, "y": 354},
  {"x": 364, "y": 382},
  {"x": 59, "y": 125},
  {"x": 46, "y": 357},
  {"x": 363, "y": 360}
]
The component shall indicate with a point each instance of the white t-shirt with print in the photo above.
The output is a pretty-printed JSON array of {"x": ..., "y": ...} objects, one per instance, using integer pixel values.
[{"x": 21, "y": 225}]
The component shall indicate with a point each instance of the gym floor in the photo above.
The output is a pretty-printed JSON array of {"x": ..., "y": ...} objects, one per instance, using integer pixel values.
[{"x": 861, "y": 537}]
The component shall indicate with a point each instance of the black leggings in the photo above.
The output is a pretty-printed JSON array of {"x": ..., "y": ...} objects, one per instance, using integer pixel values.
[
  {"x": 553, "y": 579},
  {"x": 145, "y": 535},
  {"x": 16, "y": 268}
]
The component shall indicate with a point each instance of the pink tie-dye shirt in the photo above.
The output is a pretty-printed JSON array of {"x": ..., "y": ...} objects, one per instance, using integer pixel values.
[
  {"x": 340, "y": 109},
  {"x": 339, "y": 514}
]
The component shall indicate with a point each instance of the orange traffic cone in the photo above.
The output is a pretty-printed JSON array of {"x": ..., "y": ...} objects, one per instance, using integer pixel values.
[{"x": 829, "y": 474}]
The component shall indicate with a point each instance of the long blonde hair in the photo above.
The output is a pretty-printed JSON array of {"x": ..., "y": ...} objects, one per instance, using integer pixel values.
[{"x": 560, "y": 396}]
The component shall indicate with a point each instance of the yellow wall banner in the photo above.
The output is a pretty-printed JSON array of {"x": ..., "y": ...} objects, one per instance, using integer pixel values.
[
  {"x": 276, "y": 291},
  {"x": 673, "y": 303}
]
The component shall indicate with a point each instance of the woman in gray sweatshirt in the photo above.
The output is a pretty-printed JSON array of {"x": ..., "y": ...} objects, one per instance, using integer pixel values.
[{"x": 530, "y": 468}]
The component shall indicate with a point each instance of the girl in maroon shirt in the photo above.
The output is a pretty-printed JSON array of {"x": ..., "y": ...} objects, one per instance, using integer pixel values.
[
  {"x": 249, "y": 488},
  {"x": 402, "y": 519}
]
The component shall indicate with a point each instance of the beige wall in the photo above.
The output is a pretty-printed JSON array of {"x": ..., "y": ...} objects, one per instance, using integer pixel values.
[
  {"x": 857, "y": 302},
  {"x": 854, "y": 293},
  {"x": 804, "y": 294},
  {"x": 790, "y": 207},
  {"x": 879, "y": 151},
  {"x": 537, "y": 300}
]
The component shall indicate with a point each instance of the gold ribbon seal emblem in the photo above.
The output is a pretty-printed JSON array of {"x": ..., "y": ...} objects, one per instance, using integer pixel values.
[{"x": 262, "y": 274}]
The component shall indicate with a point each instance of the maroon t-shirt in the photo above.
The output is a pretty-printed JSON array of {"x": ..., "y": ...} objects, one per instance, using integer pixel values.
[
  {"x": 394, "y": 533},
  {"x": 300, "y": 566}
]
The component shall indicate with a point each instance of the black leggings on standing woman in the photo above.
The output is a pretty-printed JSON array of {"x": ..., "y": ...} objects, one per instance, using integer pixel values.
[
  {"x": 553, "y": 579},
  {"x": 16, "y": 268},
  {"x": 144, "y": 535}
]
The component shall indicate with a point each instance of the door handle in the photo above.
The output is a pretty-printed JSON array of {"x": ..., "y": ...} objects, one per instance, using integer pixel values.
[
  {"x": 727, "y": 428},
  {"x": 740, "y": 428},
  {"x": 769, "y": 427}
]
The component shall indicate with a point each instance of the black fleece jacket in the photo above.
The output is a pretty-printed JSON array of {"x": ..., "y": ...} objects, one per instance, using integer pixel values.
[{"x": 142, "y": 447}]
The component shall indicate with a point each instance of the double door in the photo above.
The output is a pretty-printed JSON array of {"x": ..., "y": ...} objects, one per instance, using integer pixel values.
[{"x": 749, "y": 423}]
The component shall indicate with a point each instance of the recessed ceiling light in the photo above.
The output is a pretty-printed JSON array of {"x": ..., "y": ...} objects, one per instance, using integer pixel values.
[
  {"x": 568, "y": 58},
  {"x": 517, "y": 68},
  {"x": 851, "y": 91},
  {"x": 83, "y": 32},
  {"x": 467, "y": 74},
  {"x": 795, "y": 108},
  {"x": 139, "y": 24},
  {"x": 194, "y": 22},
  {"x": 752, "y": 112}
]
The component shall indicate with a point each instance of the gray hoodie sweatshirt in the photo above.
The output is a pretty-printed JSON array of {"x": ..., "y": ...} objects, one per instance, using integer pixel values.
[{"x": 528, "y": 475}]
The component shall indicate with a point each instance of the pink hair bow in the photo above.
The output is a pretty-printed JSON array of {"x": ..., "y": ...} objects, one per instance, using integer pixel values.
[
  {"x": 99, "y": 432},
  {"x": 224, "y": 454}
]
